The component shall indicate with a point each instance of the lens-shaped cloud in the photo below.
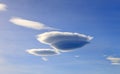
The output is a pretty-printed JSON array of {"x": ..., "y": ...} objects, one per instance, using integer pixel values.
[
  {"x": 43, "y": 52},
  {"x": 64, "y": 41},
  {"x": 114, "y": 60},
  {"x": 30, "y": 24}
]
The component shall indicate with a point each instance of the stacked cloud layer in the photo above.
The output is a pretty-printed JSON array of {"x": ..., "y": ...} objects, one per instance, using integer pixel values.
[{"x": 64, "y": 41}]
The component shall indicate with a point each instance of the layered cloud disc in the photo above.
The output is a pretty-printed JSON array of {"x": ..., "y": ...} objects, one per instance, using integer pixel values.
[
  {"x": 43, "y": 52},
  {"x": 64, "y": 41}
]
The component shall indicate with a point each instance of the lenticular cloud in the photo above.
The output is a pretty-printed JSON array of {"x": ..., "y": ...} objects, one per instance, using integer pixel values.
[
  {"x": 42, "y": 52},
  {"x": 64, "y": 41}
]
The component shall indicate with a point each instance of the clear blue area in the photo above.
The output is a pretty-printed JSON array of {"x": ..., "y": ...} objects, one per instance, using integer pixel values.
[{"x": 97, "y": 18}]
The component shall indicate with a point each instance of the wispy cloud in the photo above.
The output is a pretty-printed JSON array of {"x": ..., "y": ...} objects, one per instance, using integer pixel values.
[
  {"x": 29, "y": 24},
  {"x": 114, "y": 60},
  {"x": 44, "y": 59},
  {"x": 3, "y": 7},
  {"x": 77, "y": 56},
  {"x": 64, "y": 41}
]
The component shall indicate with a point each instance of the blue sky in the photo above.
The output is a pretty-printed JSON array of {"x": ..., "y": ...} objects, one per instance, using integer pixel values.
[{"x": 97, "y": 18}]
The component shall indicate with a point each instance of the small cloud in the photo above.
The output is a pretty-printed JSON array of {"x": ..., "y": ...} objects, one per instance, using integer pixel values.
[
  {"x": 77, "y": 56},
  {"x": 44, "y": 59},
  {"x": 43, "y": 52},
  {"x": 29, "y": 24},
  {"x": 3, "y": 7},
  {"x": 114, "y": 60},
  {"x": 64, "y": 41},
  {"x": 104, "y": 55}
]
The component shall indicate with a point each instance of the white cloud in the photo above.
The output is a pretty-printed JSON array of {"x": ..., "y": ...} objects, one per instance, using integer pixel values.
[
  {"x": 45, "y": 37},
  {"x": 44, "y": 59},
  {"x": 3, "y": 7},
  {"x": 42, "y": 52},
  {"x": 60, "y": 42},
  {"x": 64, "y": 41},
  {"x": 29, "y": 24},
  {"x": 114, "y": 60}
]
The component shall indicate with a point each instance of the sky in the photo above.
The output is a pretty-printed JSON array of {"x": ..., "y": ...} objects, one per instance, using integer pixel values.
[{"x": 21, "y": 21}]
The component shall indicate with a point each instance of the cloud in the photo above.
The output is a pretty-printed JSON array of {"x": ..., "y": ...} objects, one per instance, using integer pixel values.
[
  {"x": 114, "y": 60},
  {"x": 64, "y": 41},
  {"x": 29, "y": 24},
  {"x": 3, "y": 7},
  {"x": 43, "y": 52},
  {"x": 44, "y": 59},
  {"x": 77, "y": 56}
]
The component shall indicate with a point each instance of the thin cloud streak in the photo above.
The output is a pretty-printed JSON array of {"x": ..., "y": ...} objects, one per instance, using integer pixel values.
[
  {"x": 114, "y": 60},
  {"x": 30, "y": 24}
]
